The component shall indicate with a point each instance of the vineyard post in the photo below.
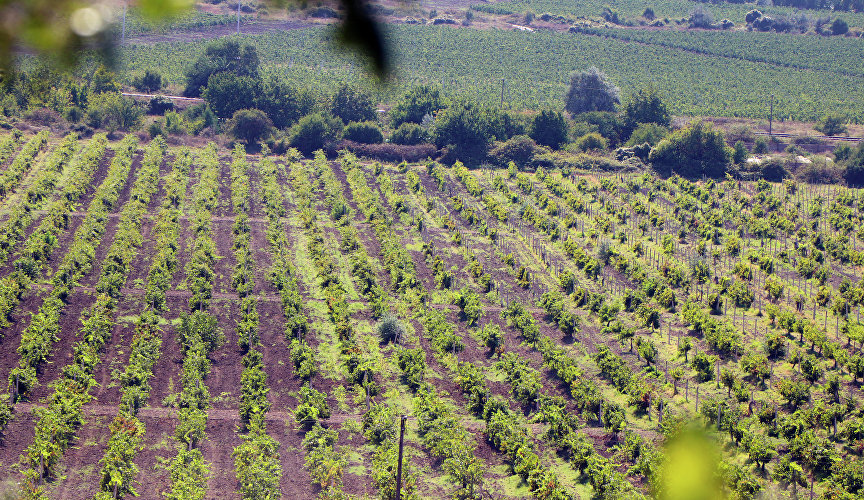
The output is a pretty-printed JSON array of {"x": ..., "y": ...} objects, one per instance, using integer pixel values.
[{"x": 399, "y": 466}]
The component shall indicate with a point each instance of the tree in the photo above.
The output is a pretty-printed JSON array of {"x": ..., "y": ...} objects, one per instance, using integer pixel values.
[
  {"x": 590, "y": 91},
  {"x": 151, "y": 81},
  {"x": 363, "y": 132},
  {"x": 313, "y": 131},
  {"x": 416, "y": 104},
  {"x": 649, "y": 133},
  {"x": 646, "y": 106},
  {"x": 549, "y": 128},
  {"x": 693, "y": 151},
  {"x": 249, "y": 125},
  {"x": 283, "y": 103},
  {"x": 223, "y": 56},
  {"x": 468, "y": 129},
  {"x": 646, "y": 349},
  {"x": 832, "y": 125},
  {"x": 839, "y": 27},
  {"x": 227, "y": 92},
  {"x": 352, "y": 105}
]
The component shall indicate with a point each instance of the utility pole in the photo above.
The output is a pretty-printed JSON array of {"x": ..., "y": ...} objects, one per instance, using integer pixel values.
[
  {"x": 771, "y": 118},
  {"x": 502, "y": 92},
  {"x": 238, "y": 16},
  {"x": 399, "y": 467},
  {"x": 123, "y": 30}
]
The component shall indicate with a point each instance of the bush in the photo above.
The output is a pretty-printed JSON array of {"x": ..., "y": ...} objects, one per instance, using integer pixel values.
[
  {"x": 592, "y": 142},
  {"x": 363, "y": 132},
  {"x": 227, "y": 93},
  {"x": 221, "y": 56},
  {"x": 741, "y": 154},
  {"x": 409, "y": 134},
  {"x": 467, "y": 129},
  {"x": 159, "y": 105},
  {"x": 313, "y": 132},
  {"x": 352, "y": 105},
  {"x": 691, "y": 152},
  {"x": 609, "y": 125},
  {"x": 646, "y": 106},
  {"x": 832, "y": 125},
  {"x": 839, "y": 27},
  {"x": 113, "y": 112},
  {"x": 520, "y": 150},
  {"x": 249, "y": 125},
  {"x": 151, "y": 81},
  {"x": 647, "y": 133},
  {"x": 772, "y": 170},
  {"x": 760, "y": 146},
  {"x": 549, "y": 128},
  {"x": 417, "y": 103},
  {"x": 386, "y": 152},
  {"x": 390, "y": 329}
]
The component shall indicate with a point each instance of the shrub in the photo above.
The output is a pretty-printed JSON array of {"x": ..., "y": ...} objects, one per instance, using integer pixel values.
[
  {"x": 221, "y": 56},
  {"x": 832, "y": 125},
  {"x": 549, "y": 128},
  {"x": 249, "y": 125},
  {"x": 693, "y": 151},
  {"x": 150, "y": 81},
  {"x": 390, "y": 329},
  {"x": 647, "y": 133},
  {"x": 839, "y": 27},
  {"x": 417, "y": 103},
  {"x": 646, "y": 106},
  {"x": 467, "y": 129},
  {"x": 592, "y": 142},
  {"x": 159, "y": 105},
  {"x": 226, "y": 93},
  {"x": 760, "y": 146},
  {"x": 352, "y": 105},
  {"x": 519, "y": 150},
  {"x": 363, "y": 132},
  {"x": 313, "y": 132},
  {"x": 409, "y": 134},
  {"x": 113, "y": 112}
]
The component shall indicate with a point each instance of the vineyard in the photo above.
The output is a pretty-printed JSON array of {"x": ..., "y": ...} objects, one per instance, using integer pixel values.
[
  {"x": 203, "y": 323},
  {"x": 713, "y": 74},
  {"x": 671, "y": 9}
]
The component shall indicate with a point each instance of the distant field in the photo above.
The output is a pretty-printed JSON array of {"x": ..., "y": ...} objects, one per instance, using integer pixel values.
[
  {"x": 536, "y": 66},
  {"x": 662, "y": 8},
  {"x": 833, "y": 54}
]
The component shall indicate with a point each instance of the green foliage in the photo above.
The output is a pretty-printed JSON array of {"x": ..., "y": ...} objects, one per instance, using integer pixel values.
[
  {"x": 646, "y": 106},
  {"x": 647, "y": 133},
  {"x": 409, "y": 134},
  {"x": 350, "y": 104},
  {"x": 549, "y": 128},
  {"x": 363, "y": 132},
  {"x": 693, "y": 151},
  {"x": 417, "y": 103},
  {"x": 249, "y": 125},
  {"x": 592, "y": 142},
  {"x": 590, "y": 90},
  {"x": 313, "y": 131},
  {"x": 832, "y": 125},
  {"x": 223, "y": 56},
  {"x": 468, "y": 129},
  {"x": 311, "y": 407}
]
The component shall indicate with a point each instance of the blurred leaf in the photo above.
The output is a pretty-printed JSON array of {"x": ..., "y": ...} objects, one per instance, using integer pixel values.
[{"x": 690, "y": 471}]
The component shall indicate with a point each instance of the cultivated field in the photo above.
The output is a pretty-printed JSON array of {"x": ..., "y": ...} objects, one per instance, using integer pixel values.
[{"x": 545, "y": 331}]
